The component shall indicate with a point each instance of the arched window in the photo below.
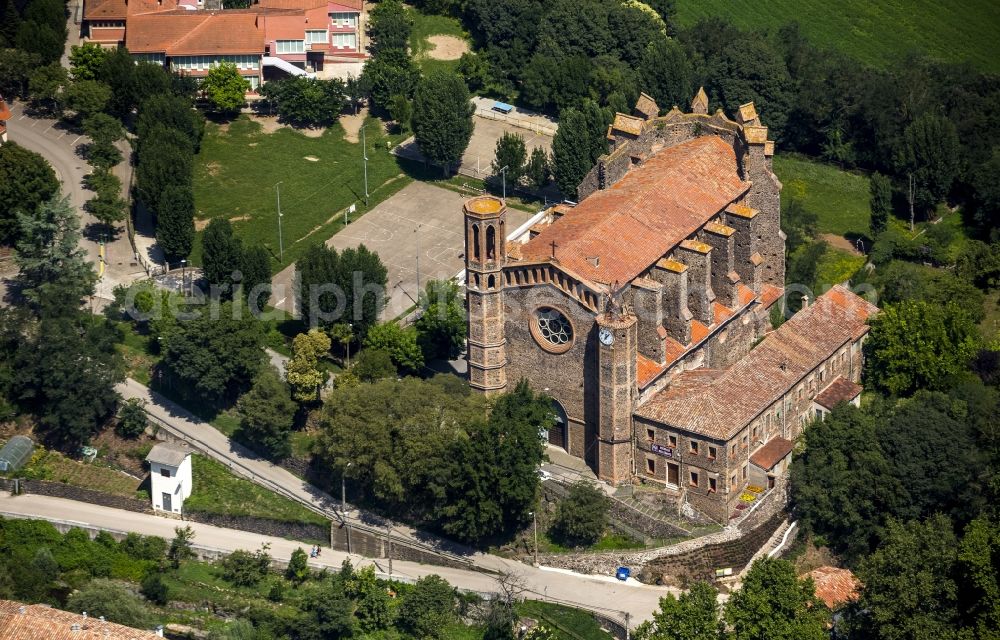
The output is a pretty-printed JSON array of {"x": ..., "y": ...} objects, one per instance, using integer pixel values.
[
  {"x": 475, "y": 243},
  {"x": 491, "y": 240},
  {"x": 491, "y": 283}
]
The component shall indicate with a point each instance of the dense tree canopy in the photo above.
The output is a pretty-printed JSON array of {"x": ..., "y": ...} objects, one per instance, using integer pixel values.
[
  {"x": 306, "y": 102},
  {"x": 346, "y": 287},
  {"x": 26, "y": 181},
  {"x": 774, "y": 604},
  {"x": 225, "y": 87},
  {"x": 442, "y": 118},
  {"x": 266, "y": 415}
]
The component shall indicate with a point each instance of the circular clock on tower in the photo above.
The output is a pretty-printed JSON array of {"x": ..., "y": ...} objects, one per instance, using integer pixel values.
[{"x": 606, "y": 337}]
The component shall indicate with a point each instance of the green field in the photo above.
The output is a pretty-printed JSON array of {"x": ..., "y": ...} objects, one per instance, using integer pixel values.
[
  {"x": 873, "y": 32},
  {"x": 567, "y": 623},
  {"x": 839, "y": 198},
  {"x": 427, "y": 25},
  {"x": 238, "y": 167},
  {"x": 216, "y": 490},
  {"x": 836, "y": 266}
]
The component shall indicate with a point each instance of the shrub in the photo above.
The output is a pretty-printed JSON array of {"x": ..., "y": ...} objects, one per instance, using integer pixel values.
[
  {"x": 582, "y": 517},
  {"x": 154, "y": 589},
  {"x": 131, "y": 418},
  {"x": 245, "y": 568}
]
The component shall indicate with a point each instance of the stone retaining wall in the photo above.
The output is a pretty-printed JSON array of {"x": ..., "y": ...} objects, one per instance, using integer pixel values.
[
  {"x": 70, "y": 492},
  {"x": 373, "y": 545},
  {"x": 622, "y": 517},
  {"x": 698, "y": 558},
  {"x": 307, "y": 532}
]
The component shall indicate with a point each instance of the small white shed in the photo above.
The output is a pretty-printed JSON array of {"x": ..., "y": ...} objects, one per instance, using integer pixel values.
[{"x": 169, "y": 475}]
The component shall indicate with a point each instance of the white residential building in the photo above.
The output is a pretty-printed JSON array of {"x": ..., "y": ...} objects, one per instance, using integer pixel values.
[{"x": 169, "y": 476}]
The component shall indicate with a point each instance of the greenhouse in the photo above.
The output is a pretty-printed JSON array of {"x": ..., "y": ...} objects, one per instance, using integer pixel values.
[{"x": 16, "y": 453}]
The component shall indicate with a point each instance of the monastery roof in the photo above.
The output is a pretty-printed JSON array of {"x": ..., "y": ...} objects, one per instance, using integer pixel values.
[
  {"x": 840, "y": 390},
  {"x": 195, "y": 33},
  {"x": 771, "y": 453},
  {"x": 120, "y": 9},
  {"x": 633, "y": 224},
  {"x": 32, "y": 621},
  {"x": 835, "y": 586},
  {"x": 720, "y": 406}
]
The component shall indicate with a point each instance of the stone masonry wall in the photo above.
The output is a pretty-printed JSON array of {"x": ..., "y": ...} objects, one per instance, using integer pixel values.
[{"x": 306, "y": 532}]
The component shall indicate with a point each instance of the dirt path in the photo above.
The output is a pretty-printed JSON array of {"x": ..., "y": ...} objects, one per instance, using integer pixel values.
[
  {"x": 446, "y": 47},
  {"x": 840, "y": 242},
  {"x": 352, "y": 125}
]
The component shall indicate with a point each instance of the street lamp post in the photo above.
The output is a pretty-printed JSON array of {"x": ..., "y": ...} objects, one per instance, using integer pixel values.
[
  {"x": 534, "y": 517},
  {"x": 364, "y": 155},
  {"x": 417, "y": 232},
  {"x": 350, "y": 326},
  {"x": 281, "y": 242},
  {"x": 503, "y": 173},
  {"x": 183, "y": 276}
]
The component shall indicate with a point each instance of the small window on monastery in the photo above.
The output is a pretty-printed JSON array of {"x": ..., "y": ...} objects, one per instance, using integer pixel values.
[
  {"x": 745, "y": 441},
  {"x": 732, "y": 449},
  {"x": 165, "y": 473},
  {"x": 694, "y": 447},
  {"x": 650, "y": 466},
  {"x": 712, "y": 453},
  {"x": 732, "y": 480},
  {"x": 672, "y": 440},
  {"x": 756, "y": 434},
  {"x": 744, "y": 472},
  {"x": 650, "y": 435},
  {"x": 711, "y": 485},
  {"x": 694, "y": 479}
]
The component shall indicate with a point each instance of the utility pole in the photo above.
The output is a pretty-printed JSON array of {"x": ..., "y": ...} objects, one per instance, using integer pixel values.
[
  {"x": 417, "y": 232},
  {"x": 183, "y": 276},
  {"x": 343, "y": 505},
  {"x": 911, "y": 202},
  {"x": 628, "y": 620},
  {"x": 503, "y": 173},
  {"x": 350, "y": 326},
  {"x": 388, "y": 547},
  {"x": 364, "y": 153},
  {"x": 281, "y": 242}
]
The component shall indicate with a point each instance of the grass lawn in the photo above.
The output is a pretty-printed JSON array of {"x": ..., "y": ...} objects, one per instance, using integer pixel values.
[
  {"x": 873, "y": 32},
  {"x": 836, "y": 266},
  {"x": 238, "y": 167},
  {"x": 137, "y": 352},
  {"x": 425, "y": 26},
  {"x": 839, "y": 198},
  {"x": 990, "y": 326},
  {"x": 54, "y": 466},
  {"x": 608, "y": 542},
  {"x": 216, "y": 490},
  {"x": 567, "y": 623}
]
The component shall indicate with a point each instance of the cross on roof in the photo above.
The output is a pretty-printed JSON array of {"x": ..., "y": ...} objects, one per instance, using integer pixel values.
[{"x": 554, "y": 246}]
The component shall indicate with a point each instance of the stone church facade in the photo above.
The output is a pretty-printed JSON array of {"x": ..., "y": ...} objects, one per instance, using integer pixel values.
[{"x": 644, "y": 310}]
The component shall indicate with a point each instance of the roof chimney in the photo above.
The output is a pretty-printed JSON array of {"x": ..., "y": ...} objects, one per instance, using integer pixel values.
[
  {"x": 21, "y": 610},
  {"x": 85, "y": 615},
  {"x": 74, "y": 627},
  {"x": 805, "y": 301}
]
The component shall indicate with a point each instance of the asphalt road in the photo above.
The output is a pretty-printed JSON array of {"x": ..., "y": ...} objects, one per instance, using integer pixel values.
[{"x": 605, "y": 594}]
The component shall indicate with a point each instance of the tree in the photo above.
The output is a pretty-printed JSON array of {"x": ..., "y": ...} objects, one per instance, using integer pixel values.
[
  {"x": 87, "y": 97},
  {"x": 222, "y": 257},
  {"x": 442, "y": 118},
  {"x": 880, "y": 202},
  {"x": 374, "y": 606},
  {"x": 582, "y": 516},
  {"x": 389, "y": 27},
  {"x": 441, "y": 328},
  {"x": 41, "y": 40},
  {"x": 399, "y": 343},
  {"x": 108, "y": 206},
  {"x": 15, "y": 68},
  {"x": 216, "y": 357},
  {"x": 266, "y": 415},
  {"x": 245, "y": 568},
  {"x": 773, "y": 604},
  {"x": 103, "y": 129},
  {"x": 302, "y": 371},
  {"x": 666, "y": 73},
  {"x": 929, "y": 151},
  {"x": 401, "y": 110},
  {"x": 298, "y": 566},
  {"x": 841, "y": 484},
  {"x": 175, "y": 222},
  {"x": 341, "y": 287},
  {"x": 511, "y": 155},
  {"x": 110, "y": 599},
  {"x": 538, "y": 171},
  {"x": 46, "y": 85},
  {"x": 53, "y": 270},
  {"x": 327, "y": 613},
  {"x": 571, "y": 150},
  {"x": 391, "y": 73},
  {"x": 225, "y": 87},
  {"x": 180, "y": 547},
  {"x": 255, "y": 265},
  {"x": 307, "y": 102},
  {"x": 132, "y": 418},
  {"x": 67, "y": 371},
  {"x": 171, "y": 112},
  {"x": 362, "y": 277},
  {"x": 428, "y": 608},
  {"x": 373, "y": 365},
  {"x": 909, "y": 585},
  {"x": 26, "y": 181},
  {"x": 118, "y": 72},
  {"x": 693, "y": 615},
  {"x": 154, "y": 589},
  {"x": 914, "y": 345},
  {"x": 164, "y": 160}
]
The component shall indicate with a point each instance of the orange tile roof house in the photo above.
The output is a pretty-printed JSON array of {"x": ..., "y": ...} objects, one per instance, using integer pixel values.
[
  {"x": 290, "y": 36},
  {"x": 644, "y": 311},
  {"x": 5, "y": 115},
  {"x": 36, "y": 621},
  {"x": 835, "y": 587}
]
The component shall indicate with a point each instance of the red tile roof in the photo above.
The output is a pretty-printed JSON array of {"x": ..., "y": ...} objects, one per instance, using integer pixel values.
[
  {"x": 647, "y": 370},
  {"x": 5, "y": 113},
  {"x": 834, "y": 586},
  {"x": 840, "y": 390},
  {"x": 771, "y": 453},
  {"x": 182, "y": 33},
  {"x": 732, "y": 400},
  {"x": 41, "y": 621},
  {"x": 642, "y": 216},
  {"x": 104, "y": 10}
]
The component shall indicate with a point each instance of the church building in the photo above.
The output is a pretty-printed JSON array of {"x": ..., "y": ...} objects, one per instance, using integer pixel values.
[{"x": 644, "y": 311}]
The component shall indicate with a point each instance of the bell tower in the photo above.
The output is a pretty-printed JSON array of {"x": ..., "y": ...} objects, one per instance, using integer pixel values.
[
  {"x": 617, "y": 344},
  {"x": 485, "y": 256}
]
